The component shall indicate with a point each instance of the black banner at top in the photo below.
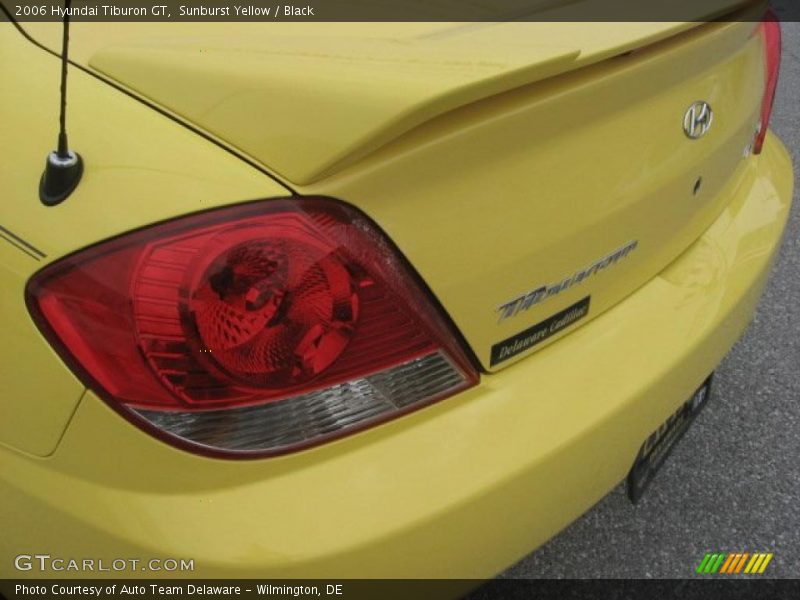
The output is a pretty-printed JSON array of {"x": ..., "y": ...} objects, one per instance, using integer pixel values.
[{"x": 398, "y": 10}]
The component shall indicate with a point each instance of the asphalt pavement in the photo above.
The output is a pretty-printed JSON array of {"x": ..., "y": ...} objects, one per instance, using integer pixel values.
[{"x": 733, "y": 482}]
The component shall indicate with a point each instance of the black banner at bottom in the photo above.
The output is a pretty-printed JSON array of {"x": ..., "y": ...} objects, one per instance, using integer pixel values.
[{"x": 730, "y": 588}]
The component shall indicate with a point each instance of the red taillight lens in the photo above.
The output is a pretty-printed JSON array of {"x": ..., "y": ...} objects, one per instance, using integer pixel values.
[
  {"x": 771, "y": 34},
  {"x": 257, "y": 328}
]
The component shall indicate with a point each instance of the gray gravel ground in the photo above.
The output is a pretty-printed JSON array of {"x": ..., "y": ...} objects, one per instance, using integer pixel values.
[{"x": 733, "y": 482}]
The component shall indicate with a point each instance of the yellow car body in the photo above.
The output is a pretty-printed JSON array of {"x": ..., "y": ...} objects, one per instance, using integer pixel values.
[{"x": 464, "y": 487}]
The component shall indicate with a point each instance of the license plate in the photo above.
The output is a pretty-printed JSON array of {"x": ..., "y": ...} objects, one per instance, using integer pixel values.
[{"x": 659, "y": 444}]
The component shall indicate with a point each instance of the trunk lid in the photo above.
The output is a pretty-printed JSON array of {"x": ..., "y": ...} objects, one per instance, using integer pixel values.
[{"x": 518, "y": 208}]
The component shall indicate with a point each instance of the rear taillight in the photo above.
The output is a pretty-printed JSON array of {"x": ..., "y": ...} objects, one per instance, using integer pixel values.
[
  {"x": 770, "y": 29},
  {"x": 258, "y": 328}
]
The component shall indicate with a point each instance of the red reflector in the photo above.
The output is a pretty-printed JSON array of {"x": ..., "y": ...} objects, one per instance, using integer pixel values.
[
  {"x": 771, "y": 33},
  {"x": 300, "y": 302}
]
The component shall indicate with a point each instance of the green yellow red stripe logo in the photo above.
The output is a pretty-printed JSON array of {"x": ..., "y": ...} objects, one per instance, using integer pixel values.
[{"x": 734, "y": 563}]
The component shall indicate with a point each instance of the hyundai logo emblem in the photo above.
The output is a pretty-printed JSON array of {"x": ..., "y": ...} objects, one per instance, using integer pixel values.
[{"x": 697, "y": 120}]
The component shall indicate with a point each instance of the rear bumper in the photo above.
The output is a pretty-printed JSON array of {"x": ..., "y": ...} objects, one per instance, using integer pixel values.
[{"x": 459, "y": 489}]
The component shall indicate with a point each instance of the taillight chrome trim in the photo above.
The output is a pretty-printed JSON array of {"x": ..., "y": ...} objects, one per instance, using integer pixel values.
[{"x": 290, "y": 424}]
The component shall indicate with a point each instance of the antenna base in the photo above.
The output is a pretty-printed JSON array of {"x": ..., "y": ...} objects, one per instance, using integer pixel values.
[{"x": 61, "y": 176}]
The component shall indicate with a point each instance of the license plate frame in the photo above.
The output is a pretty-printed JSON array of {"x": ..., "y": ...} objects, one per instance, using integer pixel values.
[{"x": 659, "y": 444}]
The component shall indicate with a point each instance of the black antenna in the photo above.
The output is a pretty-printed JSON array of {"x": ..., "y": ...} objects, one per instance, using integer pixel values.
[{"x": 64, "y": 168}]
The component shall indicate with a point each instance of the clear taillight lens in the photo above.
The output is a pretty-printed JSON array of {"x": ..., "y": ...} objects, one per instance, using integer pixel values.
[
  {"x": 771, "y": 33},
  {"x": 258, "y": 328}
]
